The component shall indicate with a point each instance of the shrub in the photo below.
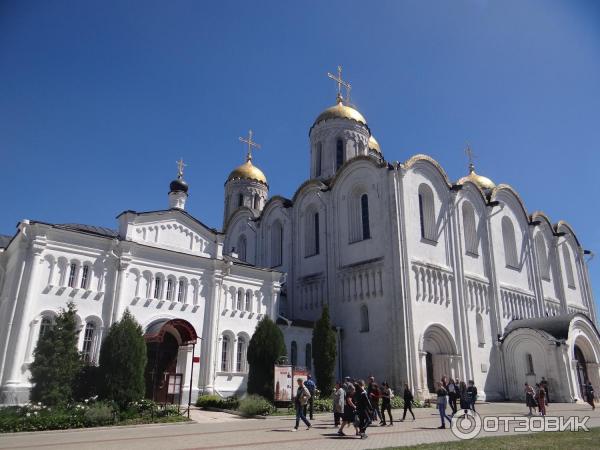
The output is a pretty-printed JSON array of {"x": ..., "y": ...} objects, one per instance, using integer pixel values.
[
  {"x": 123, "y": 361},
  {"x": 265, "y": 348},
  {"x": 324, "y": 353},
  {"x": 323, "y": 405},
  {"x": 86, "y": 383},
  {"x": 255, "y": 405},
  {"x": 99, "y": 414},
  {"x": 214, "y": 401},
  {"x": 56, "y": 361}
]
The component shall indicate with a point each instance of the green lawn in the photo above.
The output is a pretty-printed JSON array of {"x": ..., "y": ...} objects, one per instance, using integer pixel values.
[{"x": 547, "y": 441}]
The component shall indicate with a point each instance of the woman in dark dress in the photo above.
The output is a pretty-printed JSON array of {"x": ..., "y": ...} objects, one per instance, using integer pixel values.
[
  {"x": 349, "y": 410},
  {"x": 408, "y": 399},
  {"x": 464, "y": 397}
]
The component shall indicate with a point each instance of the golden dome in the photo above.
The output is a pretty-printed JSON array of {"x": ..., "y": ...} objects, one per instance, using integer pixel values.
[
  {"x": 374, "y": 145},
  {"x": 341, "y": 111},
  {"x": 248, "y": 171},
  {"x": 484, "y": 183}
]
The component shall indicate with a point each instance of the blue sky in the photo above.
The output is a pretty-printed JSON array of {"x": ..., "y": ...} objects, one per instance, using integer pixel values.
[{"x": 98, "y": 99}]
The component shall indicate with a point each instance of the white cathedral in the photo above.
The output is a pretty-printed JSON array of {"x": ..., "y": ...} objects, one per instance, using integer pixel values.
[{"x": 423, "y": 276}]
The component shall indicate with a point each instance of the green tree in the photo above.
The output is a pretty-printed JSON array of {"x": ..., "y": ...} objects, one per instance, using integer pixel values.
[
  {"x": 56, "y": 360},
  {"x": 123, "y": 362},
  {"x": 265, "y": 348},
  {"x": 324, "y": 353}
]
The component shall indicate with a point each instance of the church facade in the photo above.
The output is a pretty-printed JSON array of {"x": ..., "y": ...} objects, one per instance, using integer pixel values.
[{"x": 423, "y": 276}]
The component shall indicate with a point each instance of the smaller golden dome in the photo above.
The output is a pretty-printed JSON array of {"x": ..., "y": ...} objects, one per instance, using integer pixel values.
[
  {"x": 374, "y": 145},
  {"x": 341, "y": 111},
  {"x": 484, "y": 183},
  {"x": 247, "y": 171}
]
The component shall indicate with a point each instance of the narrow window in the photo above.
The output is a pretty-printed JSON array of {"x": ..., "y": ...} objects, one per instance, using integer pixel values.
[
  {"x": 480, "y": 331},
  {"x": 249, "y": 301},
  {"x": 157, "y": 286},
  {"x": 241, "y": 248},
  {"x": 364, "y": 318},
  {"x": 542, "y": 255},
  {"x": 45, "y": 326},
  {"x": 568, "y": 267},
  {"x": 240, "y": 199},
  {"x": 308, "y": 357},
  {"x": 316, "y": 252},
  {"x": 240, "y": 301},
  {"x": 88, "y": 342},
  {"x": 170, "y": 289},
  {"x": 427, "y": 213},
  {"x": 510, "y": 244},
  {"x": 72, "y": 275},
  {"x": 529, "y": 361},
  {"x": 256, "y": 201},
  {"x": 276, "y": 244},
  {"x": 240, "y": 362},
  {"x": 225, "y": 354},
  {"x": 84, "y": 276},
  {"x": 339, "y": 153},
  {"x": 181, "y": 293},
  {"x": 364, "y": 208},
  {"x": 318, "y": 157},
  {"x": 294, "y": 353},
  {"x": 469, "y": 229}
]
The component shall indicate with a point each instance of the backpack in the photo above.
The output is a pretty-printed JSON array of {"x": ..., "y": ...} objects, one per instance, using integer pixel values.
[{"x": 391, "y": 394}]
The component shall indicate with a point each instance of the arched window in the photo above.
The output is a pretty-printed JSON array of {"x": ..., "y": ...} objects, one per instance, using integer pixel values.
[
  {"x": 240, "y": 199},
  {"x": 308, "y": 357},
  {"x": 469, "y": 229},
  {"x": 72, "y": 275},
  {"x": 318, "y": 157},
  {"x": 157, "y": 287},
  {"x": 241, "y": 247},
  {"x": 529, "y": 364},
  {"x": 364, "y": 318},
  {"x": 240, "y": 300},
  {"x": 225, "y": 349},
  {"x": 256, "y": 201},
  {"x": 170, "y": 287},
  {"x": 568, "y": 267},
  {"x": 364, "y": 210},
  {"x": 480, "y": 331},
  {"x": 427, "y": 213},
  {"x": 45, "y": 326},
  {"x": 339, "y": 153},
  {"x": 240, "y": 364},
  {"x": 510, "y": 244},
  {"x": 542, "y": 254},
  {"x": 85, "y": 275},
  {"x": 312, "y": 234},
  {"x": 88, "y": 342},
  {"x": 276, "y": 244},
  {"x": 294, "y": 353},
  {"x": 249, "y": 301},
  {"x": 181, "y": 292}
]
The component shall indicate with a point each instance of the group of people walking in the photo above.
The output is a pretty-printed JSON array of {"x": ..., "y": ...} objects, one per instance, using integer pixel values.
[{"x": 453, "y": 391}]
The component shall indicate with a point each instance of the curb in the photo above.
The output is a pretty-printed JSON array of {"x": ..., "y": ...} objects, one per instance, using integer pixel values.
[{"x": 232, "y": 412}]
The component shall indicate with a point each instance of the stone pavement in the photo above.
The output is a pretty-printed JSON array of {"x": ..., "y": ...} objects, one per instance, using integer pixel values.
[{"x": 224, "y": 431}]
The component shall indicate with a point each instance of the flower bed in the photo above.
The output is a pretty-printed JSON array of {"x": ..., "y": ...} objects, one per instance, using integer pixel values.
[{"x": 90, "y": 413}]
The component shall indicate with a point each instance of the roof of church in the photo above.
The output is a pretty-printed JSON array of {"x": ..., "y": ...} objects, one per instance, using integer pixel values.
[
  {"x": 555, "y": 326},
  {"x": 101, "y": 231},
  {"x": 4, "y": 240}
]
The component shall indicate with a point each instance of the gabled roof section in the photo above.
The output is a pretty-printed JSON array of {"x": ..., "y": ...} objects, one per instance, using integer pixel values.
[
  {"x": 172, "y": 210},
  {"x": 91, "y": 229},
  {"x": 5, "y": 240}
]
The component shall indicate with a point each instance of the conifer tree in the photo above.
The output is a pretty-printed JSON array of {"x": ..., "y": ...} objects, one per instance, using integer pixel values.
[
  {"x": 324, "y": 353},
  {"x": 123, "y": 362},
  {"x": 56, "y": 360},
  {"x": 265, "y": 348}
]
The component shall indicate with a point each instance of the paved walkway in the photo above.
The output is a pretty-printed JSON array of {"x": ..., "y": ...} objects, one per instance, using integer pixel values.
[{"x": 225, "y": 431}]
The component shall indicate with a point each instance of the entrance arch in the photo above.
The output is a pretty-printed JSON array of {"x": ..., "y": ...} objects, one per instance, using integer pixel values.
[
  {"x": 167, "y": 363},
  {"x": 439, "y": 356}
]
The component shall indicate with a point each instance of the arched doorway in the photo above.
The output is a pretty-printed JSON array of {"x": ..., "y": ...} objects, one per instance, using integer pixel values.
[
  {"x": 164, "y": 340},
  {"x": 439, "y": 357},
  {"x": 581, "y": 368}
]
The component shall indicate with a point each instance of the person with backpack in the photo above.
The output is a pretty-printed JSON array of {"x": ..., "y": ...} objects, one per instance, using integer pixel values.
[
  {"x": 408, "y": 399},
  {"x": 386, "y": 403},
  {"x": 312, "y": 387},
  {"x": 300, "y": 401},
  {"x": 363, "y": 408},
  {"x": 472, "y": 394},
  {"x": 441, "y": 404}
]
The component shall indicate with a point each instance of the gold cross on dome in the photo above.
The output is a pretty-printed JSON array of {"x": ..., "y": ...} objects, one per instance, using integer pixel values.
[
  {"x": 470, "y": 156},
  {"x": 250, "y": 144},
  {"x": 180, "y": 166},
  {"x": 340, "y": 82}
]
